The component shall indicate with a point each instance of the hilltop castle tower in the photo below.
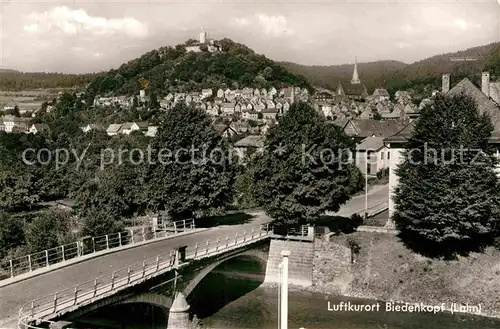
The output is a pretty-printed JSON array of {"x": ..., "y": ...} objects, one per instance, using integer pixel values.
[
  {"x": 355, "y": 77},
  {"x": 203, "y": 36}
]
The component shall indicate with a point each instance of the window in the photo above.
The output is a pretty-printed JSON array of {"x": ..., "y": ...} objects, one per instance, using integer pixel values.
[
  {"x": 388, "y": 155},
  {"x": 382, "y": 155}
]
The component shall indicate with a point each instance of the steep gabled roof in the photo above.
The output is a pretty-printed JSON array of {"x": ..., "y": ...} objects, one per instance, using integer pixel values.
[
  {"x": 371, "y": 144},
  {"x": 356, "y": 89},
  {"x": 369, "y": 127},
  {"x": 114, "y": 127},
  {"x": 143, "y": 125},
  {"x": 250, "y": 141},
  {"x": 220, "y": 127},
  {"x": 127, "y": 125},
  {"x": 381, "y": 92},
  {"x": 484, "y": 104},
  {"x": 402, "y": 135}
]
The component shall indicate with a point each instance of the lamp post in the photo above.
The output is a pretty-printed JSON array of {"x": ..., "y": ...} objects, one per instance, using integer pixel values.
[
  {"x": 284, "y": 290},
  {"x": 366, "y": 184}
]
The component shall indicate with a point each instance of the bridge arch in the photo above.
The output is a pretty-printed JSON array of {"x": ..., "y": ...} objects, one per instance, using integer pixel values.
[
  {"x": 256, "y": 254},
  {"x": 157, "y": 300}
]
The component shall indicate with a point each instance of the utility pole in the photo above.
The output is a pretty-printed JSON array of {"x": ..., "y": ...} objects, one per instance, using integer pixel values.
[
  {"x": 366, "y": 184},
  {"x": 284, "y": 290}
]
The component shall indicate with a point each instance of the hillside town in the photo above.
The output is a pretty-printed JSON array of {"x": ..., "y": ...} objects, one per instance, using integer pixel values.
[{"x": 250, "y": 112}]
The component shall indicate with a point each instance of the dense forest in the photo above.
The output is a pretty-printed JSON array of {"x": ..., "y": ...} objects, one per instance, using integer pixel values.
[
  {"x": 421, "y": 76},
  {"x": 11, "y": 80},
  {"x": 173, "y": 69}
]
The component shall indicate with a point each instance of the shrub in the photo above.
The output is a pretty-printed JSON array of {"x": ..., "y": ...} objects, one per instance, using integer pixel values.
[{"x": 353, "y": 245}]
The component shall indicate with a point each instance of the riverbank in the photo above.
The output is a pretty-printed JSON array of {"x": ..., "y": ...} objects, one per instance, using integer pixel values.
[{"x": 385, "y": 270}]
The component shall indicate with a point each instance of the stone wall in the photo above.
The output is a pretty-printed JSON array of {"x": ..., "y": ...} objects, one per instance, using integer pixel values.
[
  {"x": 332, "y": 271},
  {"x": 300, "y": 268}
]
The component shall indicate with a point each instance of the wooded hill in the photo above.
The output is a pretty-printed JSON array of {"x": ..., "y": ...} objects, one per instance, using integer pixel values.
[
  {"x": 421, "y": 76},
  {"x": 329, "y": 76},
  {"x": 173, "y": 69},
  {"x": 12, "y": 80}
]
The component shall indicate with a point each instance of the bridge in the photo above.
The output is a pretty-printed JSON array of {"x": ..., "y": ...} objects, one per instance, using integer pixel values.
[
  {"x": 42, "y": 294},
  {"x": 176, "y": 272}
]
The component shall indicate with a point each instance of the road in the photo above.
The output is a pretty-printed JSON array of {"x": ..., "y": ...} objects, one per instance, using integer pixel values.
[
  {"x": 14, "y": 296},
  {"x": 377, "y": 195}
]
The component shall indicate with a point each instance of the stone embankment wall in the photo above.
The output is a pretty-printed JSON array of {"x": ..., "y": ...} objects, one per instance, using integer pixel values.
[
  {"x": 332, "y": 269},
  {"x": 300, "y": 268}
]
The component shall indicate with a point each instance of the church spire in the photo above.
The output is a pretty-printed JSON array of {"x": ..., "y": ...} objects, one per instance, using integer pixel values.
[{"x": 355, "y": 77}]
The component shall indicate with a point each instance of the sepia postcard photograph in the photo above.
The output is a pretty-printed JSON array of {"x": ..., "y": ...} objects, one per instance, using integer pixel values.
[{"x": 239, "y": 164}]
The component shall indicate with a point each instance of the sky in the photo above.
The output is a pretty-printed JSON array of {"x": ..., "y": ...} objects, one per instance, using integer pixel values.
[{"x": 89, "y": 36}]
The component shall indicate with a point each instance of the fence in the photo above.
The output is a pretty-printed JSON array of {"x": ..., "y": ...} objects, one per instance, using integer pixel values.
[
  {"x": 138, "y": 221},
  {"x": 88, "y": 245},
  {"x": 32, "y": 313},
  {"x": 302, "y": 230}
]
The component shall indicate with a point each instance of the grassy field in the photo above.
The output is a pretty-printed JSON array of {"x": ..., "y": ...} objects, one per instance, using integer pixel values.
[{"x": 385, "y": 269}]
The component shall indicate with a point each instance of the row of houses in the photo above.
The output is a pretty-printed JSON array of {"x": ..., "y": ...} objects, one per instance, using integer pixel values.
[
  {"x": 11, "y": 123},
  {"x": 246, "y": 110},
  {"x": 126, "y": 128},
  {"x": 249, "y": 94},
  {"x": 254, "y": 96}
]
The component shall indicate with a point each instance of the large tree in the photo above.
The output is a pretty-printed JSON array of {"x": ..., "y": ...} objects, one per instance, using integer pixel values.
[
  {"x": 11, "y": 233},
  {"x": 49, "y": 229},
  {"x": 304, "y": 170},
  {"x": 448, "y": 196},
  {"x": 191, "y": 171}
]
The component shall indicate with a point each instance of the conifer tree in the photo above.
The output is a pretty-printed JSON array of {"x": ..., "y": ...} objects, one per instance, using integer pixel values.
[{"x": 447, "y": 200}]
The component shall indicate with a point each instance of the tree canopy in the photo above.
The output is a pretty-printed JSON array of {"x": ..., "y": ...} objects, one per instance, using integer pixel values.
[
  {"x": 304, "y": 170},
  {"x": 191, "y": 172}
]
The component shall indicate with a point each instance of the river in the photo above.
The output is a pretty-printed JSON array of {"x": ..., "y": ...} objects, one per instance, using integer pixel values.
[{"x": 259, "y": 309}]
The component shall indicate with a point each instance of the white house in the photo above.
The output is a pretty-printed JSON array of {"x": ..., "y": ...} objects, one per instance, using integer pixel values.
[
  {"x": 152, "y": 130},
  {"x": 372, "y": 155},
  {"x": 13, "y": 123},
  {"x": 206, "y": 93},
  {"x": 90, "y": 127},
  {"x": 38, "y": 128},
  {"x": 113, "y": 129}
]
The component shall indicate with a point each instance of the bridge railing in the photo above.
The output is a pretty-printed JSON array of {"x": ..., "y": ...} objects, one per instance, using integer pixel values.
[
  {"x": 34, "y": 312},
  {"x": 302, "y": 230},
  {"x": 89, "y": 245}
]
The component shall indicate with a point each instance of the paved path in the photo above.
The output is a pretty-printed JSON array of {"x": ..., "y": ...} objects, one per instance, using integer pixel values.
[
  {"x": 14, "y": 296},
  {"x": 377, "y": 195}
]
